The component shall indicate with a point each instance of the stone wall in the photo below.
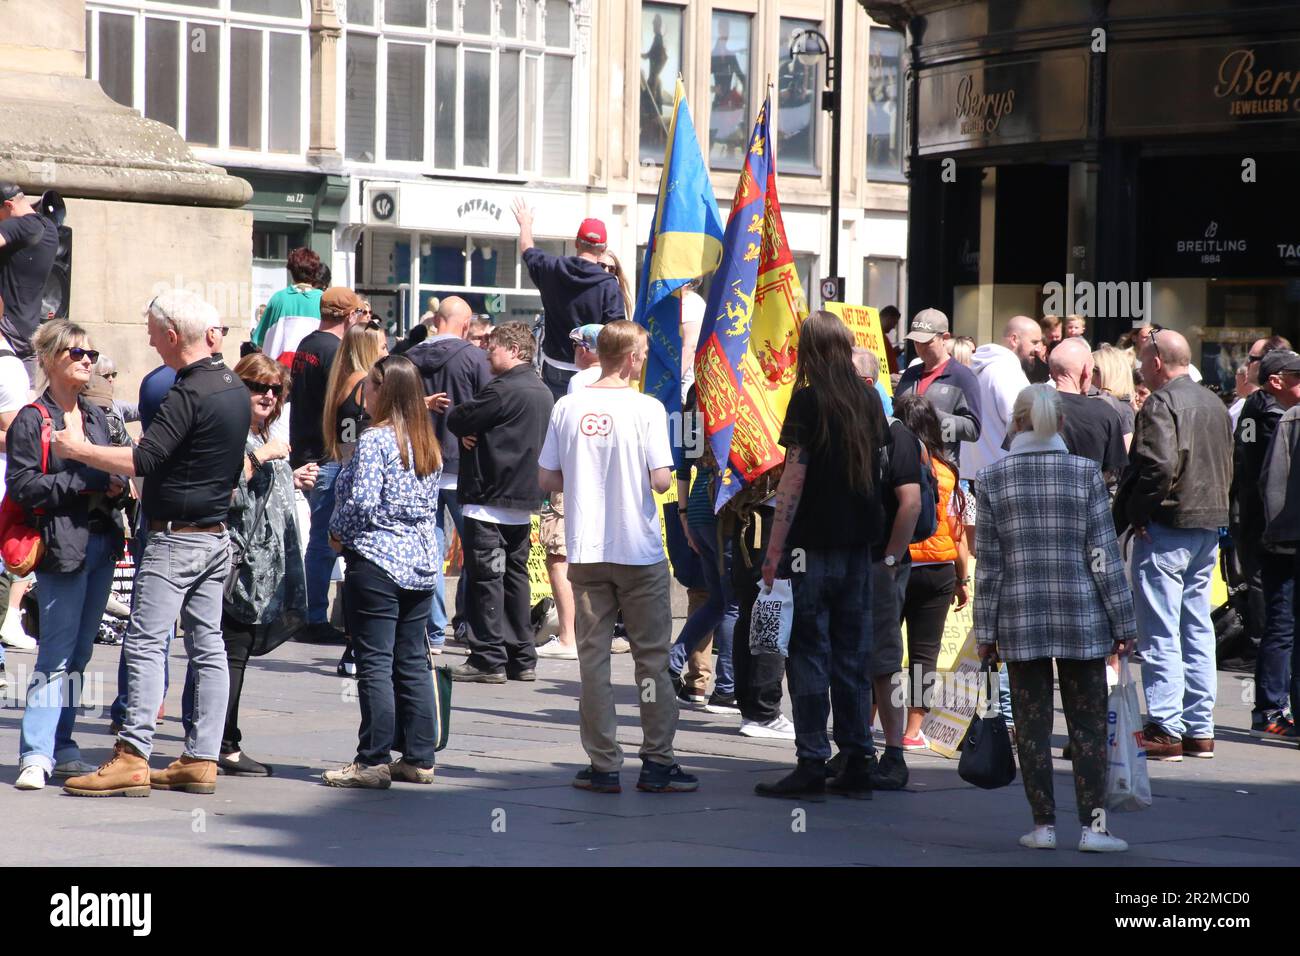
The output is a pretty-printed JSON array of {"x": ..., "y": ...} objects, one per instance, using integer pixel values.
[{"x": 122, "y": 255}]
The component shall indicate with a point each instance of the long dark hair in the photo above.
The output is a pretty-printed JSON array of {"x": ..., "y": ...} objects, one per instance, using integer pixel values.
[
  {"x": 846, "y": 414},
  {"x": 400, "y": 406},
  {"x": 919, "y": 416}
]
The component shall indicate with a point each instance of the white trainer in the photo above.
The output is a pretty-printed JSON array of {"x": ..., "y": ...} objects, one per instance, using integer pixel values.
[
  {"x": 554, "y": 650},
  {"x": 31, "y": 778},
  {"x": 778, "y": 728},
  {"x": 1100, "y": 841},
  {"x": 13, "y": 635},
  {"x": 74, "y": 768},
  {"x": 1040, "y": 838},
  {"x": 619, "y": 645}
]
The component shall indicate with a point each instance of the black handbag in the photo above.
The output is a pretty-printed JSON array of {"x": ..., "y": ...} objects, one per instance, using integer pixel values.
[{"x": 986, "y": 757}]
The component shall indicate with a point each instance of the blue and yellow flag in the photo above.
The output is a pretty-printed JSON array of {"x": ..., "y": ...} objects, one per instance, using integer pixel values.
[
  {"x": 745, "y": 363},
  {"x": 685, "y": 243}
]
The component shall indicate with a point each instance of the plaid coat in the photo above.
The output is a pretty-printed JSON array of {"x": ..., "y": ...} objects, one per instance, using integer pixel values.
[{"x": 1049, "y": 578}]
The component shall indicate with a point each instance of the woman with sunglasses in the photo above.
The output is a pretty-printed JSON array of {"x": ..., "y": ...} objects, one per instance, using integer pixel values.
[
  {"x": 268, "y": 586},
  {"x": 75, "y": 507},
  {"x": 609, "y": 262},
  {"x": 384, "y": 523}
]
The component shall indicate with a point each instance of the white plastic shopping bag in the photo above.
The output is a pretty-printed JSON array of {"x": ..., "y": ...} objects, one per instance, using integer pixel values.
[
  {"x": 1127, "y": 785},
  {"x": 769, "y": 628}
]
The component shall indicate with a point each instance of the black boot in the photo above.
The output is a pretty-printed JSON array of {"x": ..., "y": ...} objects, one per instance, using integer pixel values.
[
  {"x": 854, "y": 780},
  {"x": 808, "y": 779},
  {"x": 890, "y": 773}
]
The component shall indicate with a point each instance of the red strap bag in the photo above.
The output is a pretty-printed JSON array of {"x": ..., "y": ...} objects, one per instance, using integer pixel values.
[{"x": 21, "y": 545}]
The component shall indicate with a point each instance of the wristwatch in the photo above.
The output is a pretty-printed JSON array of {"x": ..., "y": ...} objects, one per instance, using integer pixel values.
[{"x": 891, "y": 561}]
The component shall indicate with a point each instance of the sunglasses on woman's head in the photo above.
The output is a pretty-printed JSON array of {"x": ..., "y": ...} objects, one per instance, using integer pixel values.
[
  {"x": 76, "y": 353},
  {"x": 263, "y": 388}
]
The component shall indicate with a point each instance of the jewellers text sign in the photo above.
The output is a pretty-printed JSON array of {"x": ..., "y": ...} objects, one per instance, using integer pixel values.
[
  {"x": 1193, "y": 86},
  {"x": 1000, "y": 102}
]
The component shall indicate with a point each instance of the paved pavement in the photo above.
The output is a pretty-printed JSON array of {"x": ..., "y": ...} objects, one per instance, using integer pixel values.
[{"x": 503, "y": 794}]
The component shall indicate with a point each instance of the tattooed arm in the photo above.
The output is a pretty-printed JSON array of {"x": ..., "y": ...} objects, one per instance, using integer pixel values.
[{"x": 788, "y": 494}]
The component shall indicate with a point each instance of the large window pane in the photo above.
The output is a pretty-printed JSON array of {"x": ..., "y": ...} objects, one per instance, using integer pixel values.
[
  {"x": 478, "y": 121},
  {"x": 445, "y": 105},
  {"x": 557, "y": 115},
  {"x": 409, "y": 13},
  {"x": 286, "y": 93},
  {"x": 530, "y": 112},
  {"x": 509, "y": 18},
  {"x": 405, "y": 139},
  {"x": 360, "y": 12},
  {"x": 359, "y": 130},
  {"x": 508, "y": 113},
  {"x": 534, "y": 15},
  {"x": 557, "y": 23},
  {"x": 246, "y": 89},
  {"x": 798, "y": 94},
  {"x": 661, "y": 55},
  {"x": 492, "y": 261},
  {"x": 117, "y": 57},
  {"x": 731, "y": 66},
  {"x": 477, "y": 17},
  {"x": 885, "y": 106},
  {"x": 880, "y": 282},
  {"x": 266, "y": 8},
  {"x": 442, "y": 260},
  {"x": 162, "y": 71},
  {"x": 202, "y": 84},
  {"x": 446, "y": 15}
]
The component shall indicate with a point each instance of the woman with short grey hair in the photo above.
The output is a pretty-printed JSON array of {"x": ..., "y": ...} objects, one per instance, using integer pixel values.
[{"x": 1050, "y": 585}]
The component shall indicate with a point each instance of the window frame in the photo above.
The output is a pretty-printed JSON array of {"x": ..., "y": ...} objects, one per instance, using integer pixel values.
[
  {"x": 899, "y": 174},
  {"x": 683, "y": 57},
  {"x": 751, "y": 110},
  {"x": 816, "y": 169},
  {"x": 224, "y": 20},
  {"x": 529, "y": 129}
]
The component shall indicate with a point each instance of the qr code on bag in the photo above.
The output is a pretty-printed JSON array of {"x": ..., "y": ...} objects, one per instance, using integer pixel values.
[{"x": 769, "y": 628}]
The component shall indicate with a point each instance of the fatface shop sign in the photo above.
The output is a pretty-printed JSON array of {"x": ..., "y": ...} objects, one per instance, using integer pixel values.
[
  {"x": 1001, "y": 102},
  {"x": 1185, "y": 86}
]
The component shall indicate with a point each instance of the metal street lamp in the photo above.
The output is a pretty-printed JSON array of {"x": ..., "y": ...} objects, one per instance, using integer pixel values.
[{"x": 808, "y": 47}]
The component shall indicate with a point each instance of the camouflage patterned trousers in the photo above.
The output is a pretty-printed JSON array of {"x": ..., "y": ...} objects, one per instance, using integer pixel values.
[{"x": 1083, "y": 696}]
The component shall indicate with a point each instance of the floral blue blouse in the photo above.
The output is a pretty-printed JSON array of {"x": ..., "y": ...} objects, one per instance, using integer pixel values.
[{"x": 386, "y": 513}]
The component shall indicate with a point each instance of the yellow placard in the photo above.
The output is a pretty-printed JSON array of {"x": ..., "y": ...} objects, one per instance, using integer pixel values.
[{"x": 864, "y": 322}]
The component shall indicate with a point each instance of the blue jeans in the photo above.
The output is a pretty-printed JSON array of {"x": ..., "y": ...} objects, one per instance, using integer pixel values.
[
  {"x": 318, "y": 561},
  {"x": 448, "y": 504},
  {"x": 72, "y": 605},
  {"x": 1171, "y": 575},
  {"x": 717, "y": 616},
  {"x": 117, "y": 713},
  {"x": 1273, "y": 666},
  {"x": 830, "y": 649}
]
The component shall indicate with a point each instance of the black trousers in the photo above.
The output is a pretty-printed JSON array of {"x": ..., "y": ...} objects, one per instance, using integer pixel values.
[
  {"x": 930, "y": 588},
  {"x": 498, "y": 600},
  {"x": 239, "y": 646},
  {"x": 387, "y": 623},
  {"x": 758, "y": 676}
]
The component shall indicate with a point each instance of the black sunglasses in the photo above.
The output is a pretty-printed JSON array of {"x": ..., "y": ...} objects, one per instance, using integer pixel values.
[
  {"x": 374, "y": 325},
  {"x": 262, "y": 388},
  {"x": 76, "y": 353}
]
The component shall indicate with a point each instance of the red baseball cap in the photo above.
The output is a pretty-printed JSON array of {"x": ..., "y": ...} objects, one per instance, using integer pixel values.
[{"x": 592, "y": 231}]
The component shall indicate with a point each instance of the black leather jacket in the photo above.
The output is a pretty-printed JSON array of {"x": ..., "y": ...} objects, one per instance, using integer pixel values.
[{"x": 1180, "y": 464}]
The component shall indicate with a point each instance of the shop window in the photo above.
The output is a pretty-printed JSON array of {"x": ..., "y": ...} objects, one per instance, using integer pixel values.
[
  {"x": 261, "y": 44},
  {"x": 885, "y": 106},
  {"x": 444, "y": 115},
  {"x": 661, "y": 61},
  {"x": 557, "y": 115},
  {"x": 404, "y": 141},
  {"x": 881, "y": 282},
  {"x": 359, "y": 121},
  {"x": 478, "y": 89},
  {"x": 798, "y": 100},
  {"x": 805, "y": 263},
  {"x": 731, "y": 67},
  {"x": 508, "y": 135},
  {"x": 442, "y": 261},
  {"x": 492, "y": 262}
]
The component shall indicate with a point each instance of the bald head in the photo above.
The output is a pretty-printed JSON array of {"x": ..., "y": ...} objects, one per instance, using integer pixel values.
[
  {"x": 453, "y": 317},
  {"x": 1165, "y": 357},
  {"x": 1023, "y": 336},
  {"x": 1070, "y": 366}
]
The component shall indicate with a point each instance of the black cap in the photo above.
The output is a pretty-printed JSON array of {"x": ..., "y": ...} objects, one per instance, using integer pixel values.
[
  {"x": 1278, "y": 361},
  {"x": 9, "y": 191}
]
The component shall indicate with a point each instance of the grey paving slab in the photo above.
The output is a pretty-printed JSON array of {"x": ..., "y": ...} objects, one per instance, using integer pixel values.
[{"x": 503, "y": 796}]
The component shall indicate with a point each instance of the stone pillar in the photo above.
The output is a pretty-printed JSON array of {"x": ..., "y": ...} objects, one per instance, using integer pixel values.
[
  {"x": 326, "y": 30},
  {"x": 143, "y": 212}
]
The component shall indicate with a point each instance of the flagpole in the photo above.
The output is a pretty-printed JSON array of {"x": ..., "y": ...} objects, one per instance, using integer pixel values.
[{"x": 838, "y": 68}]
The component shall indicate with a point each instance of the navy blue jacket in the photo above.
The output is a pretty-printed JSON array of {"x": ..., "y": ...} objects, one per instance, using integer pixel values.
[{"x": 460, "y": 369}]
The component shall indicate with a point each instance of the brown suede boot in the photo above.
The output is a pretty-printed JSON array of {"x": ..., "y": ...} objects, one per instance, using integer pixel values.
[
  {"x": 189, "y": 774},
  {"x": 125, "y": 774}
]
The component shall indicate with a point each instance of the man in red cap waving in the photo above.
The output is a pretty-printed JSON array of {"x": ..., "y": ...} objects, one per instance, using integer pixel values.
[{"x": 576, "y": 291}]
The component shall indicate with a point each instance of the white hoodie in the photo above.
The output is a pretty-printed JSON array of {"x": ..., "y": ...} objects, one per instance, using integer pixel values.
[{"x": 1001, "y": 378}]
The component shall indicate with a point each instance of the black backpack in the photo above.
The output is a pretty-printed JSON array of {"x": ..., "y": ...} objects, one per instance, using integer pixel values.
[{"x": 927, "y": 522}]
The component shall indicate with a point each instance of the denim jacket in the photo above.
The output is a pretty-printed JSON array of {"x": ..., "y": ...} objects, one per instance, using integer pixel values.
[{"x": 386, "y": 513}]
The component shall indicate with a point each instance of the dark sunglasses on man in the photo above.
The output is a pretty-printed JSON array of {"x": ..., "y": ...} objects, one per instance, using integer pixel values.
[{"x": 264, "y": 388}]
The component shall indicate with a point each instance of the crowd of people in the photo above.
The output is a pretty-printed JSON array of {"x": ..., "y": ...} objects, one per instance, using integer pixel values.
[{"x": 1088, "y": 488}]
